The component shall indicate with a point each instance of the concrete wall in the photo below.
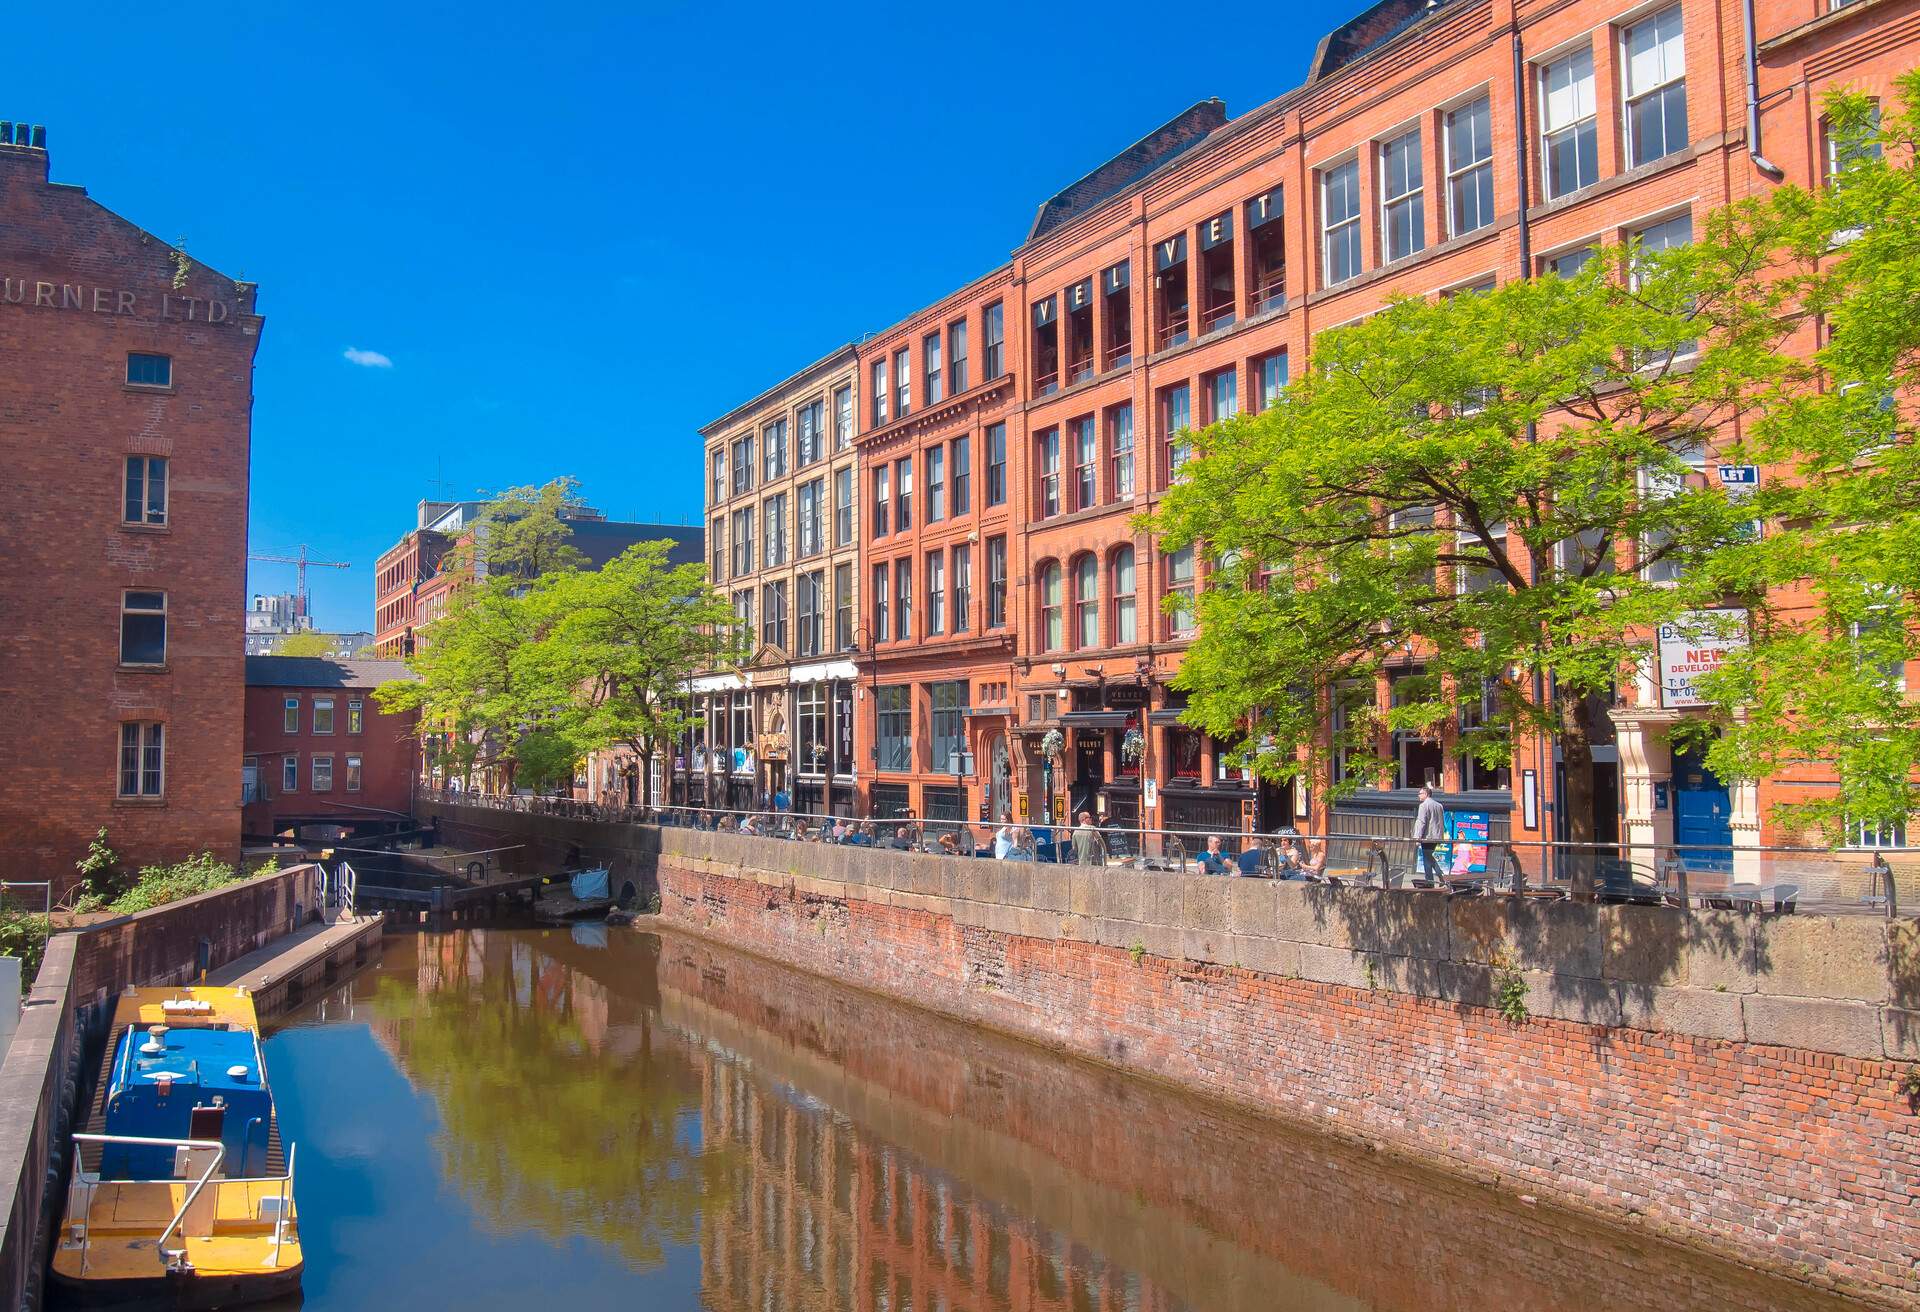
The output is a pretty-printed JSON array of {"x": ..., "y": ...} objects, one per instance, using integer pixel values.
[{"x": 45, "y": 1069}]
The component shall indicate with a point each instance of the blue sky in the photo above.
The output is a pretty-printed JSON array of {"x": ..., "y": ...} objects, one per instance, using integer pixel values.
[{"x": 578, "y": 234}]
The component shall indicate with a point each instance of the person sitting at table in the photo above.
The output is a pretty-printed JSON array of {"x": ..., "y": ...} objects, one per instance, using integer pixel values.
[{"x": 1213, "y": 861}]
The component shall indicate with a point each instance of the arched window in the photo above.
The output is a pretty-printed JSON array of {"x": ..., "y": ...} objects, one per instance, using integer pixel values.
[
  {"x": 1123, "y": 589},
  {"x": 1086, "y": 602},
  {"x": 1051, "y": 637}
]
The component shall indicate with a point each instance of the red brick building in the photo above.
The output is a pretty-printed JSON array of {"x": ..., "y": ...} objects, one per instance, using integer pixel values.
[
  {"x": 126, "y": 394},
  {"x": 1431, "y": 149},
  {"x": 321, "y": 756}
]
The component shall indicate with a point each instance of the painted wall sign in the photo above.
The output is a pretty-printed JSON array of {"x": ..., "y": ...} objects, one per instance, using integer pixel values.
[
  {"x": 1696, "y": 644},
  {"x": 40, "y": 294},
  {"x": 1262, "y": 210}
]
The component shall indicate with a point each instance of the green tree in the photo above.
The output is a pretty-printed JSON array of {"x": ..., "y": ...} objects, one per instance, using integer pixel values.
[
  {"x": 303, "y": 644},
  {"x": 628, "y": 638},
  {"x": 1822, "y": 677},
  {"x": 1478, "y": 497}
]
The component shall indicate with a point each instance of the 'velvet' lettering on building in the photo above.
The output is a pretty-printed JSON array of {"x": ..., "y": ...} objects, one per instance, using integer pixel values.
[{"x": 39, "y": 294}]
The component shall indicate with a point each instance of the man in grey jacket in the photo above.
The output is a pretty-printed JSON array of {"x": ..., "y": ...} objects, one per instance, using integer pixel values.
[{"x": 1429, "y": 831}]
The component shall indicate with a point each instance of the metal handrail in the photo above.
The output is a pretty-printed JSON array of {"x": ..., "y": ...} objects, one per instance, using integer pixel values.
[{"x": 142, "y": 1141}]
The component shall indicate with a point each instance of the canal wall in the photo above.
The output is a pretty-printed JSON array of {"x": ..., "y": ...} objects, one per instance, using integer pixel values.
[
  {"x": 1727, "y": 1079},
  {"x": 45, "y": 1070}
]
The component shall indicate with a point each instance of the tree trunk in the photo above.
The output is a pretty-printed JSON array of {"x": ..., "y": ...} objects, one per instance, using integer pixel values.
[{"x": 1577, "y": 732}]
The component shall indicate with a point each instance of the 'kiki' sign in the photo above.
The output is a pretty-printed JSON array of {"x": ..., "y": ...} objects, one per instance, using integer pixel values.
[{"x": 42, "y": 295}]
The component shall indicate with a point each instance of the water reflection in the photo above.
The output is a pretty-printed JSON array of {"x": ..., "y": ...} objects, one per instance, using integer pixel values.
[{"x": 658, "y": 1122}]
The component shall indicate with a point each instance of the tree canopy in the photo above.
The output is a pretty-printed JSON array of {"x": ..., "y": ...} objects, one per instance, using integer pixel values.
[{"x": 1491, "y": 500}]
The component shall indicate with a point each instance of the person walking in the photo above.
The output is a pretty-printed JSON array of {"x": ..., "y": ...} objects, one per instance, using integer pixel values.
[
  {"x": 1429, "y": 831},
  {"x": 1085, "y": 841}
]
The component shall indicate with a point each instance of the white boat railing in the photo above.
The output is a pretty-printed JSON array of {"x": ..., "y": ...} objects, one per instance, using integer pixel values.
[{"x": 175, "y": 1260}]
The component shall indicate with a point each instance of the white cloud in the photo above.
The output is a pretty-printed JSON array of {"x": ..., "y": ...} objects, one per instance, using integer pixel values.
[{"x": 368, "y": 359}]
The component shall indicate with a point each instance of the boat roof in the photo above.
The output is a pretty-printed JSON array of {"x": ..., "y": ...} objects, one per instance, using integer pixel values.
[{"x": 182, "y": 1006}]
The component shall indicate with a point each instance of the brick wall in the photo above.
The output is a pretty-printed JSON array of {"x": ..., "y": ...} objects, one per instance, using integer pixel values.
[
  {"x": 83, "y": 288},
  {"x": 1687, "y": 1072}
]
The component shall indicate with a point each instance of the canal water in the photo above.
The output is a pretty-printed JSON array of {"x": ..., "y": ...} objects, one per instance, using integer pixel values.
[{"x": 611, "y": 1118}]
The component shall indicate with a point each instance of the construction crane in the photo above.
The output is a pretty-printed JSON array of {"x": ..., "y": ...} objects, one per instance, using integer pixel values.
[{"x": 302, "y": 561}]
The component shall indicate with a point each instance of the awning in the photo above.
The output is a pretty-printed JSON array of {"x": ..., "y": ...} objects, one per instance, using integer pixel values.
[
  {"x": 1095, "y": 719},
  {"x": 823, "y": 672}
]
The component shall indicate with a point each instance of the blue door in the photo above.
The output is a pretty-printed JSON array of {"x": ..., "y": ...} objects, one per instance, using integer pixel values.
[{"x": 1702, "y": 815}]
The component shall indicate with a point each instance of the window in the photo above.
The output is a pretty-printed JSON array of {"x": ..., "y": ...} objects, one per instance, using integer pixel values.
[
  {"x": 1479, "y": 578},
  {"x": 1176, "y": 421},
  {"x": 1403, "y": 211},
  {"x": 893, "y": 726},
  {"x": 1223, "y": 395},
  {"x": 843, "y": 607},
  {"x": 742, "y": 465},
  {"x": 143, "y": 628},
  {"x": 356, "y": 716},
  {"x": 948, "y": 726},
  {"x": 1123, "y": 587},
  {"x": 936, "y": 593},
  {"x": 774, "y": 513},
  {"x": 323, "y": 715},
  {"x": 323, "y": 774},
  {"x": 142, "y": 758},
  {"x": 1086, "y": 602},
  {"x": 1653, "y": 52},
  {"x": 957, "y": 356},
  {"x": 1049, "y": 444},
  {"x": 1085, "y": 453},
  {"x": 962, "y": 475},
  {"x": 843, "y": 418},
  {"x": 936, "y": 483},
  {"x": 743, "y": 541},
  {"x": 353, "y": 773},
  {"x": 809, "y": 613},
  {"x": 902, "y": 382},
  {"x": 810, "y": 443},
  {"x": 145, "y": 370},
  {"x": 962, "y": 587},
  {"x": 1866, "y": 833},
  {"x": 993, "y": 335},
  {"x": 811, "y": 494},
  {"x": 903, "y": 494},
  {"x": 1180, "y": 589},
  {"x": 902, "y": 600},
  {"x": 882, "y": 498},
  {"x": 1568, "y": 264},
  {"x": 996, "y": 464},
  {"x": 843, "y": 506},
  {"x": 1052, "y": 622},
  {"x": 879, "y": 392},
  {"x": 1469, "y": 167},
  {"x": 773, "y": 438},
  {"x": 882, "y": 590},
  {"x": 1116, "y": 284},
  {"x": 290, "y": 715},
  {"x": 1340, "y": 222},
  {"x": 1120, "y": 451},
  {"x": 290, "y": 775},
  {"x": 1569, "y": 149},
  {"x": 996, "y": 583},
  {"x": 1270, "y": 371},
  {"x": 773, "y": 615},
  {"x": 146, "y": 500},
  {"x": 930, "y": 365}
]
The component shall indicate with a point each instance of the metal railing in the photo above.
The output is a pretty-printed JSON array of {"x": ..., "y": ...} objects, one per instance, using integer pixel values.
[{"x": 1729, "y": 877}]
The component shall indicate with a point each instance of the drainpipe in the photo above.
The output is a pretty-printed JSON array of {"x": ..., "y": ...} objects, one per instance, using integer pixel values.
[{"x": 1760, "y": 161}]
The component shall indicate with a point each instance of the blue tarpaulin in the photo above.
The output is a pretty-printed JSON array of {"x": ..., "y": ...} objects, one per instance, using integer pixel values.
[{"x": 590, "y": 884}]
